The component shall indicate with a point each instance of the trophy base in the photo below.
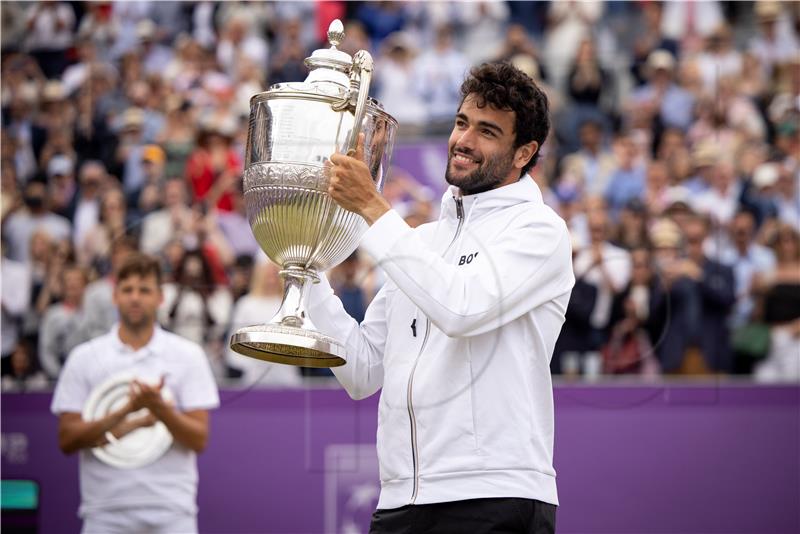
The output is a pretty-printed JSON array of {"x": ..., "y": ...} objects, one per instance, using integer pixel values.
[{"x": 288, "y": 345}]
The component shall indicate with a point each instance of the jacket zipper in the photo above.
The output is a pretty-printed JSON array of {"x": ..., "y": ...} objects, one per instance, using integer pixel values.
[{"x": 409, "y": 402}]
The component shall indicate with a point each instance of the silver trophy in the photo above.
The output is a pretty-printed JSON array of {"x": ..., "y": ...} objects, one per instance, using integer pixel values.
[{"x": 294, "y": 129}]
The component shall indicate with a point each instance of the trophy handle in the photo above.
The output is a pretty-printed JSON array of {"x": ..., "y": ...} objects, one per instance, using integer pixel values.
[{"x": 360, "y": 79}]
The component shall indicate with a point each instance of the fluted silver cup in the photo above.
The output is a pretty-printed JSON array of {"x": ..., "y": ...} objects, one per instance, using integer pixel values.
[{"x": 294, "y": 129}]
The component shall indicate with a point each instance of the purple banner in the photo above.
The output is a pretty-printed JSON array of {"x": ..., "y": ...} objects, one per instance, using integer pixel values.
[{"x": 666, "y": 458}]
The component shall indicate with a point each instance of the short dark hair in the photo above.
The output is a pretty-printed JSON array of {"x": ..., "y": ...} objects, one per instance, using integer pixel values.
[
  {"x": 138, "y": 264},
  {"x": 503, "y": 86}
]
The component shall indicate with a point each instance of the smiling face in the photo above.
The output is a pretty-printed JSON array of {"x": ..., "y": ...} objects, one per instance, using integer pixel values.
[{"x": 481, "y": 149}]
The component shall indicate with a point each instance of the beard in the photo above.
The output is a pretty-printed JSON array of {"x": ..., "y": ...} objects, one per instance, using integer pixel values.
[
  {"x": 136, "y": 322},
  {"x": 490, "y": 174}
]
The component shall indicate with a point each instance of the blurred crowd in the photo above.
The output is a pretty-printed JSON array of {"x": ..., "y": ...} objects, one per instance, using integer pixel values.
[{"x": 674, "y": 159}]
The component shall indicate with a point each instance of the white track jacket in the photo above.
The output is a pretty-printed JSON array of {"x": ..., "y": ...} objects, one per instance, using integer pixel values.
[{"x": 459, "y": 340}]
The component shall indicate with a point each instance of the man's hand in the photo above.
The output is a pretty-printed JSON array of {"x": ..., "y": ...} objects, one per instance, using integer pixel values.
[
  {"x": 351, "y": 185},
  {"x": 143, "y": 395}
]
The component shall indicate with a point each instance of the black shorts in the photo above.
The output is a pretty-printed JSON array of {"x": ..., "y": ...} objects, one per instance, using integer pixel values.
[{"x": 473, "y": 516}]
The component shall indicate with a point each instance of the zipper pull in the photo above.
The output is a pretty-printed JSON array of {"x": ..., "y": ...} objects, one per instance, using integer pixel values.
[
  {"x": 459, "y": 207},
  {"x": 414, "y": 327}
]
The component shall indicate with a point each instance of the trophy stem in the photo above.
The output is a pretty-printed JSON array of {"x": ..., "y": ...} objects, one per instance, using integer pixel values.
[
  {"x": 297, "y": 282},
  {"x": 290, "y": 337}
]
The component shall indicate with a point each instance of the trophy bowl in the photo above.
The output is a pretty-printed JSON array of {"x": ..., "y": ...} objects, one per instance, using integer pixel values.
[
  {"x": 294, "y": 129},
  {"x": 142, "y": 446}
]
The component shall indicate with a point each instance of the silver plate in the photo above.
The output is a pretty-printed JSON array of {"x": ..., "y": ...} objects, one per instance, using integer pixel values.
[{"x": 141, "y": 447}]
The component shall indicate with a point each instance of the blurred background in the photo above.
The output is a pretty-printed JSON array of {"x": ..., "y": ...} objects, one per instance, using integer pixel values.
[{"x": 674, "y": 157}]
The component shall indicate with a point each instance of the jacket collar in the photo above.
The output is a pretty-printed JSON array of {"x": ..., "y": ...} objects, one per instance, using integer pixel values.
[{"x": 523, "y": 190}]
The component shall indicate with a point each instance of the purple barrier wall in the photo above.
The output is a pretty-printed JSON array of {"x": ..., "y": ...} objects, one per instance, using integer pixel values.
[{"x": 665, "y": 458}]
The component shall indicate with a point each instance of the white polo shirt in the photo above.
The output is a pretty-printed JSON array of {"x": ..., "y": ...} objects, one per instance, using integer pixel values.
[{"x": 171, "y": 481}]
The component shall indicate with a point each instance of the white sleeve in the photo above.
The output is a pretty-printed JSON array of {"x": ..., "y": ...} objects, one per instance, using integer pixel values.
[
  {"x": 523, "y": 268},
  {"x": 196, "y": 389},
  {"x": 72, "y": 389},
  {"x": 362, "y": 375}
]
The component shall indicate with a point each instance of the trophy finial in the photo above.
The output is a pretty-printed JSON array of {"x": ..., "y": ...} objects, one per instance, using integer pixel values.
[{"x": 336, "y": 33}]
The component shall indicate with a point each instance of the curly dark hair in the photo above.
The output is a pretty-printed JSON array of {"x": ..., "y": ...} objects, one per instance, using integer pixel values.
[{"x": 503, "y": 86}]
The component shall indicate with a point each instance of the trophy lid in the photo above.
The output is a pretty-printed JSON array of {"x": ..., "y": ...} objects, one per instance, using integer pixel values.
[{"x": 330, "y": 64}]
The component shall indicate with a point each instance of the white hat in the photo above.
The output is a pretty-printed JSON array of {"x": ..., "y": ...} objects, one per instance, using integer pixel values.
[
  {"x": 660, "y": 59},
  {"x": 59, "y": 165},
  {"x": 765, "y": 175}
]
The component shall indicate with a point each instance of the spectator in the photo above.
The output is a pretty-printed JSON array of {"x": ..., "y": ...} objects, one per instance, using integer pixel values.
[
  {"x": 155, "y": 57},
  {"x": 396, "y": 81},
  {"x": 288, "y": 62},
  {"x": 60, "y": 323},
  {"x": 720, "y": 59},
  {"x": 627, "y": 180},
  {"x": 661, "y": 97},
  {"x": 721, "y": 200},
  {"x": 604, "y": 266},
  {"x": 593, "y": 163},
  {"x": 173, "y": 221},
  {"x": 50, "y": 27},
  {"x": 234, "y": 225},
  {"x": 258, "y": 306},
  {"x": 715, "y": 287},
  {"x": 95, "y": 248},
  {"x": 61, "y": 185},
  {"x": 214, "y": 167},
  {"x": 346, "y": 286},
  {"x": 781, "y": 308},
  {"x": 23, "y": 373},
  {"x": 86, "y": 207},
  {"x": 21, "y": 225},
  {"x": 649, "y": 37},
  {"x": 569, "y": 24},
  {"x": 196, "y": 308},
  {"x": 776, "y": 41},
  {"x": 16, "y": 287},
  {"x": 748, "y": 260},
  {"x": 638, "y": 322},
  {"x": 99, "y": 311},
  {"x": 440, "y": 71},
  {"x": 239, "y": 42},
  {"x": 177, "y": 138}
]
